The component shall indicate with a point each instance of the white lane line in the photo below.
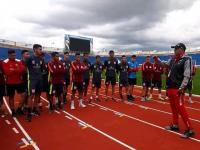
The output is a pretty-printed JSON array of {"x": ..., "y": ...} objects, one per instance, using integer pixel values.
[
  {"x": 15, "y": 130},
  {"x": 97, "y": 130},
  {"x": 150, "y": 108},
  {"x": 139, "y": 120},
  {"x": 21, "y": 128},
  {"x": 103, "y": 109},
  {"x": 68, "y": 117},
  {"x": 91, "y": 105},
  {"x": 8, "y": 122},
  {"x": 56, "y": 111},
  {"x": 25, "y": 141}
]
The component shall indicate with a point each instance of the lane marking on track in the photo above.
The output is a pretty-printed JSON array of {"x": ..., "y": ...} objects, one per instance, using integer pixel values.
[
  {"x": 91, "y": 105},
  {"x": 103, "y": 109},
  {"x": 142, "y": 121},
  {"x": 150, "y": 108},
  {"x": 97, "y": 130},
  {"x": 8, "y": 122},
  {"x": 15, "y": 130},
  {"x": 20, "y": 127},
  {"x": 25, "y": 141},
  {"x": 68, "y": 117}
]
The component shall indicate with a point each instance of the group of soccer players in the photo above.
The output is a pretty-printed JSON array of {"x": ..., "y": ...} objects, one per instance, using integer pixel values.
[{"x": 31, "y": 76}]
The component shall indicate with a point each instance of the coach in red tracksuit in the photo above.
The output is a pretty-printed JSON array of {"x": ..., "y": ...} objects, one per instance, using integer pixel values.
[
  {"x": 178, "y": 78},
  {"x": 78, "y": 69},
  {"x": 2, "y": 86},
  {"x": 13, "y": 70},
  {"x": 147, "y": 70},
  {"x": 56, "y": 80}
]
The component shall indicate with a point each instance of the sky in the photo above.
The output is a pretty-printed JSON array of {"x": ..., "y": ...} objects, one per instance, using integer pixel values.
[{"x": 113, "y": 24}]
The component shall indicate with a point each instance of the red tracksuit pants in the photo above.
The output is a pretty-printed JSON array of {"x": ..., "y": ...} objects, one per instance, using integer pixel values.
[{"x": 178, "y": 108}]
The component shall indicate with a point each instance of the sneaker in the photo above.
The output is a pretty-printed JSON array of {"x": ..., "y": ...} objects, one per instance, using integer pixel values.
[
  {"x": 90, "y": 100},
  {"x": 143, "y": 99},
  {"x": 172, "y": 127},
  {"x": 188, "y": 133},
  {"x": 14, "y": 114},
  {"x": 166, "y": 98},
  {"x": 129, "y": 98},
  {"x": 81, "y": 103},
  {"x": 72, "y": 105},
  {"x": 132, "y": 97},
  {"x": 190, "y": 100},
  {"x": 150, "y": 97},
  {"x": 36, "y": 111},
  {"x": 29, "y": 117},
  {"x": 160, "y": 98},
  {"x": 20, "y": 111}
]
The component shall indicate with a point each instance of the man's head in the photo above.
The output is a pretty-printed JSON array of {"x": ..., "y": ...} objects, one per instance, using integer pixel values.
[
  {"x": 85, "y": 55},
  {"x": 66, "y": 55},
  {"x": 25, "y": 54},
  {"x": 98, "y": 58},
  {"x": 155, "y": 58},
  {"x": 78, "y": 57},
  {"x": 55, "y": 56},
  {"x": 148, "y": 58},
  {"x": 179, "y": 50},
  {"x": 123, "y": 59},
  {"x": 111, "y": 54},
  {"x": 133, "y": 58},
  {"x": 11, "y": 54},
  {"x": 37, "y": 49}
]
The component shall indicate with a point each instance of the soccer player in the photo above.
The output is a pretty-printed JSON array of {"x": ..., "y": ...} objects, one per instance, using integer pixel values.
[
  {"x": 147, "y": 69},
  {"x": 67, "y": 64},
  {"x": 2, "y": 87},
  {"x": 132, "y": 80},
  {"x": 111, "y": 68},
  {"x": 57, "y": 81},
  {"x": 178, "y": 78},
  {"x": 13, "y": 71},
  {"x": 78, "y": 69},
  {"x": 123, "y": 69},
  {"x": 35, "y": 66},
  {"x": 157, "y": 78},
  {"x": 96, "y": 69},
  {"x": 86, "y": 73}
]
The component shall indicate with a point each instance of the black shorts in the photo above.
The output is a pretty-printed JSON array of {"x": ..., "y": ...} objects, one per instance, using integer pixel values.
[
  {"x": 123, "y": 83},
  {"x": 35, "y": 87},
  {"x": 132, "y": 81},
  {"x": 77, "y": 86},
  {"x": 2, "y": 90},
  {"x": 86, "y": 82},
  {"x": 96, "y": 83},
  {"x": 146, "y": 83},
  {"x": 111, "y": 80},
  {"x": 157, "y": 84},
  {"x": 67, "y": 82},
  {"x": 11, "y": 88},
  {"x": 56, "y": 89}
]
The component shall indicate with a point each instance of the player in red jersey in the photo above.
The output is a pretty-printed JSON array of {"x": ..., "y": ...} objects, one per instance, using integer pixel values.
[
  {"x": 147, "y": 70},
  {"x": 78, "y": 69}
]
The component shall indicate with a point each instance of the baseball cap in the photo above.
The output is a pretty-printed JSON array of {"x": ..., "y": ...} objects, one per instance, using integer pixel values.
[{"x": 179, "y": 45}]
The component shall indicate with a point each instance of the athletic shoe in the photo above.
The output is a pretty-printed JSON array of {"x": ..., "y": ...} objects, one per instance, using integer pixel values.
[
  {"x": 20, "y": 111},
  {"x": 190, "y": 100},
  {"x": 150, "y": 97},
  {"x": 129, "y": 98},
  {"x": 14, "y": 114},
  {"x": 72, "y": 105},
  {"x": 81, "y": 103},
  {"x": 36, "y": 111},
  {"x": 132, "y": 97},
  {"x": 172, "y": 127},
  {"x": 188, "y": 133},
  {"x": 166, "y": 98},
  {"x": 64, "y": 101},
  {"x": 143, "y": 99},
  {"x": 160, "y": 98},
  {"x": 29, "y": 117},
  {"x": 90, "y": 100}
]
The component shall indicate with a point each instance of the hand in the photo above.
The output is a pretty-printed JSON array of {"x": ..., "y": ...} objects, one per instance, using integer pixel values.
[{"x": 180, "y": 91}]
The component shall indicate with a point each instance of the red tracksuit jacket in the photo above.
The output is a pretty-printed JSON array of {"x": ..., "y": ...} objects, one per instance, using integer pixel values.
[
  {"x": 13, "y": 70},
  {"x": 157, "y": 72},
  {"x": 57, "y": 72},
  {"x": 78, "y": 69},
  {"x": 2, "y": 81}
]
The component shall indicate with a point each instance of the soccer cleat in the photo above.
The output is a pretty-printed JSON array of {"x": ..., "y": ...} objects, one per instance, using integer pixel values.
[
  {"x": 172, "y": 127},
  {"x": 72, "y": 105},
  {"x": 81, "y": 103},
  {"x": 187, "y": 134}
]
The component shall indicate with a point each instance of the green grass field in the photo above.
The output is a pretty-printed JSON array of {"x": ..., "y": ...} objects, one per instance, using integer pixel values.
[{"x": 196, "y": 81}]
